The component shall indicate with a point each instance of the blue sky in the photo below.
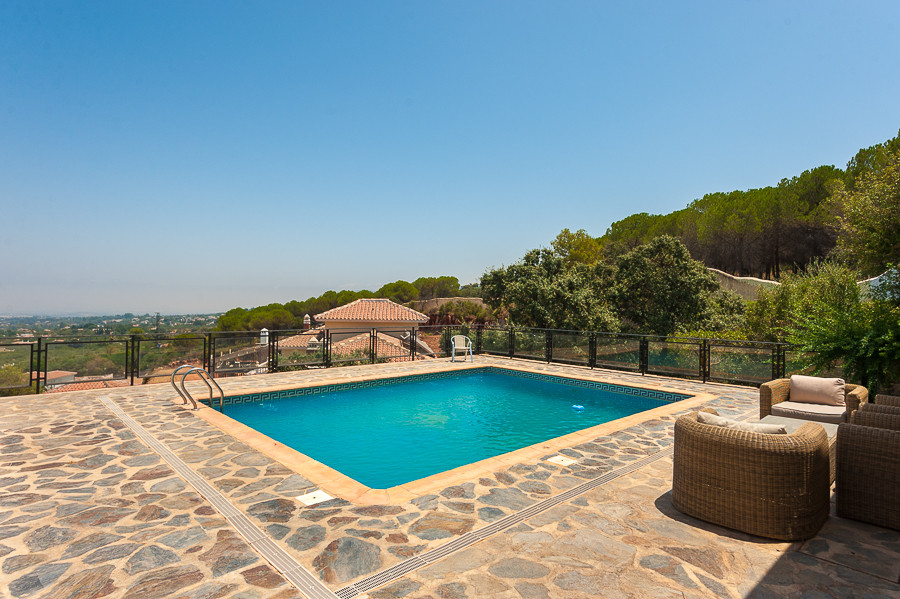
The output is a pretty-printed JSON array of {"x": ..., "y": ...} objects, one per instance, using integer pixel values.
[{"x": 193, "y": 157}]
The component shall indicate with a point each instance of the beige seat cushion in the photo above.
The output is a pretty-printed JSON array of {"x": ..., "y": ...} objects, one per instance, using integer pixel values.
[
  {"x": 751, "y": 427},
  {"x": 809, "y": 411},
  {"x": 813, "y": 389}
]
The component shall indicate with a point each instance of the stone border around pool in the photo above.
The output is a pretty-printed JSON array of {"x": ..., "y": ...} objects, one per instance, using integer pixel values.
[{"x": 338, "y": 484}]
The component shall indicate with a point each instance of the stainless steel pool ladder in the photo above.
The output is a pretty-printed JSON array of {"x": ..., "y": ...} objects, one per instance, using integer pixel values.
[{"x": 206, "y": 378}]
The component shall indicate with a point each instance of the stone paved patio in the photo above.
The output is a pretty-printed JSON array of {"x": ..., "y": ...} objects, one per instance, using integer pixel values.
[{"x": 87, "y": 510}]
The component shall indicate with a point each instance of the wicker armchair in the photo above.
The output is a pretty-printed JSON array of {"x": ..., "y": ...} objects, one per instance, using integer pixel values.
[
  {"x": 779, "y": 390},
  {"x": 774, "y": 486},
  {"x": 887, "y": 400},
  {"x": 879, "y": 408},
  {"x": 868, "y": 468}
]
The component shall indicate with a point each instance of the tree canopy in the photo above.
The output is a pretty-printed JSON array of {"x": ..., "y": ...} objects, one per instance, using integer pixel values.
[
  {"x": 869, "y": 233},
  {"x": 831, "y": 323},
  {"x": 655, "y": 288},
  {"x": 290, "y": 315},
  {"x": 782, "y": 228},
  {"x": 660, "y": 289}
]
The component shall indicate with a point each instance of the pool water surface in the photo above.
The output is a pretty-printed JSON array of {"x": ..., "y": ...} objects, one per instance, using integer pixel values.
[{"x": 389, "y": 435}]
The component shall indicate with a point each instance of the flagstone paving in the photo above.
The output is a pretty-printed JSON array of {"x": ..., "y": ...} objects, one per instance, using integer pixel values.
[{"x": 87, "y": 510}]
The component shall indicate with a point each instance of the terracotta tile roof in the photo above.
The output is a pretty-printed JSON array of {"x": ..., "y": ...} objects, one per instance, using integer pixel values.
[
  {"x": 374, "y": 309},
  {"x": 300, "y": 341},
  {"x": 87, "y": 385},
  {"x": 386, "y": 346}
]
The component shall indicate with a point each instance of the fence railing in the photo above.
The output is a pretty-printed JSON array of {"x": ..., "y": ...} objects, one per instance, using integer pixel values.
[{"x": 50, "y": 362}]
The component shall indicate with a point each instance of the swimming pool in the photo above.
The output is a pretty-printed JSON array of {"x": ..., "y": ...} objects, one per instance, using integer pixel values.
[{"x": 388, "y": 432}]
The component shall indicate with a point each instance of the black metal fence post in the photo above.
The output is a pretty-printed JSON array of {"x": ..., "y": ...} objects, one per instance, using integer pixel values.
[
  {"x": 326, "y": 349},
  {"x": 644, "y": 356},
  {"x": 704, "y": 360},
  {"x": 272, "y": 361},
  {"x": 36, "y": 366},
  {"x": 373, "y": 346},
  {"x": 134, "y": 363},
  {"x": 592, "y": 350},
  {"x": 548, "y": 346},
  {"x": 212, "y": 355},
  {"x": 479, "y": 338},
  {"x": 512, "y": 342},
  {"x": 779, "y": 361},
  {"x": 413, "y": 342}
]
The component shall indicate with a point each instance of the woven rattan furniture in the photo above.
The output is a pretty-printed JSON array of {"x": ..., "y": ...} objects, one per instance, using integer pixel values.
[
  {"x": 779, "y": 390},
  {"x": 887, "y": 400},
  {"x": 774, "y": 486},
  {"x": 868, "y": 468},
  {"x": 793, "y": 424}
]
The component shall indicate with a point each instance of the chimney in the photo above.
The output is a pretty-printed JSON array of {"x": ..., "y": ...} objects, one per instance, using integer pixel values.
[{"x": 306, "y": 322}]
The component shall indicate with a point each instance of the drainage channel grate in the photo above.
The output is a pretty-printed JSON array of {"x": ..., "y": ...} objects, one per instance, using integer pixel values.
[
  {"x": 290, "y": 568},
  {"x": 470, "y": 538}
]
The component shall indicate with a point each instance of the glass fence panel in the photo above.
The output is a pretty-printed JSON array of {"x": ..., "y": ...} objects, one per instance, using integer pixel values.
[
  {"x": 85, "y": 360},
  {"x": 160, "y": 356},
  {"x": 674, "y": 357},
  {"x": 237, "y": 355},
  {"x": 531, "y": 344},
  {"x": 393, "y": 345},
  {"x": 349, "y": 348},
  {"x": 621, "y": 353},
  {"x": 15, "y": 365},
  {"x": 432, "y": 342},
  {"x": 796, "y": 362},
  {"x": 741, "y": 363},
  {"x": 571, "y": 347},
  {"x": 305, "y": 349},
  {"x": 495, "y": 341}
]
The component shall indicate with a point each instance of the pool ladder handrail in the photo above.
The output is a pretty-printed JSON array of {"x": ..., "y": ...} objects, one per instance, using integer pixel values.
[{"x": 186, "y": 395}]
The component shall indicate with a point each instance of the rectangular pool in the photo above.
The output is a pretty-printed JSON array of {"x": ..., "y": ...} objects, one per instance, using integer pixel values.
[{"x": 388, "y": 432}]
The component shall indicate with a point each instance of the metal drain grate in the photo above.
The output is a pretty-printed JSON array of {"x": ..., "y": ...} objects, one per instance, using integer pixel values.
[
  {"x": 470, "y": 538},
  {"x": 290, "y": 568}
]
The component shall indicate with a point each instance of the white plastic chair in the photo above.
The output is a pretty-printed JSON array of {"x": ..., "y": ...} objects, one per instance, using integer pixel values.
[{"x": 463, "y": 344}]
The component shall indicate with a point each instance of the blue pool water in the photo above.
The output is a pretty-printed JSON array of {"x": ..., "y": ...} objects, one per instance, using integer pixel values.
[{"x": 389, "y": 435}]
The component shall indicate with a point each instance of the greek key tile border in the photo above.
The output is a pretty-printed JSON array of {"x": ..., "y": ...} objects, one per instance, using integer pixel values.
[
  {"x": 339, "y": 387},
  {"x": 640, "y": 392}
]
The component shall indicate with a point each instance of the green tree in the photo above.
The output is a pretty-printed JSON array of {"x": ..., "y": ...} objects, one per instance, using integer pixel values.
[
  {"x": 272, "y": 317},
  {"x": 464, "y": 311},
  {"x": 768, "y": 317},
  {"x": 871, "y": 159},
  {"x": 233, "y": 320},
  {"x": 398, "y": 291},
  {"x": 98, "y": 366},
  {"x": 831, "y": 323},
  {"x": 541, "y": 290},
  {"x": 12, "y": 376},
  {"x": 577, "y": 247},
  {"x": 470, "y": 290},
  {"x": 660, "y": 289},
  {"x": 869, "y": 229},
  {"x": 431, "y": 287}
]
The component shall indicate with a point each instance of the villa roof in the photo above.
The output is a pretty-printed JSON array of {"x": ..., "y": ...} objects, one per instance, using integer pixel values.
[
  {"x": 372, "y": 309},
  {"x": 300, "y": 341},
  {"x": 386, "y": 347},
  {"x": 87, "y": 385}
]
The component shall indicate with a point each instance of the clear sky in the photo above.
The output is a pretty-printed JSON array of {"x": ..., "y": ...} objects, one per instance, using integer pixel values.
[{"x": 197, "y": 156}]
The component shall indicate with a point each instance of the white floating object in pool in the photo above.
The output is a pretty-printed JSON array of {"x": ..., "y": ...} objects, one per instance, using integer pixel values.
[
  {"x": 577, "y": 408},
  {"x": 562, "y": 460},
  {"x": 314, "y": 498}
]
